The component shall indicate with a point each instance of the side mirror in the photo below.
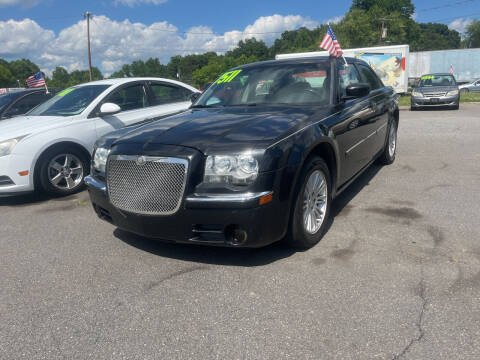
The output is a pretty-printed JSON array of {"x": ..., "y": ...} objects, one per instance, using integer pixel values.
[
  {"x": 194, "y": 97},
  {"x": 357, "y": 90},
  {"x": 109, "y": 109}
]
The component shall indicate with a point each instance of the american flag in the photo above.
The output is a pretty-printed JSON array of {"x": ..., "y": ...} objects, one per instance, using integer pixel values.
[
  {"x": 451, "y": 69},
  {"x": 331, "y": 44},
  {"x": 36, "y": 80}
]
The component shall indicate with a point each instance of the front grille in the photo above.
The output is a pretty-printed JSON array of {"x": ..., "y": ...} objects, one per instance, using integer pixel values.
[
  {"x": 435, "y": 94},
  {"x": 146, "y": 185}
]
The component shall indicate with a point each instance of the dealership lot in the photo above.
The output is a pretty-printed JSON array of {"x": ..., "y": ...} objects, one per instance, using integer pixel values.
[{"x": 396, "y": 276}]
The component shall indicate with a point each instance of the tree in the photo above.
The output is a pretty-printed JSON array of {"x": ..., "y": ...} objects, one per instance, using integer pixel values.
[
  {"x": 250, "y": 47},
  {"x": 22, "y": 69},
  {"x": 472, "y": 35},
  {"x": 6, "y": 78},
  {"x": 60, "y": 78},
  {"x": 404, "y": 7}
]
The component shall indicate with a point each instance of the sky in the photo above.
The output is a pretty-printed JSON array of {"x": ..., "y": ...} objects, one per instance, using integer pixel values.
[{"x": 53, "y": 32}]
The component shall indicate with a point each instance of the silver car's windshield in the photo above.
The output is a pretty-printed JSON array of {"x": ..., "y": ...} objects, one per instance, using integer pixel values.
[
  {"x": 270, "y": 84},
  {"x": 437, "y": 80},
  {"x": 69, "y": 102}
]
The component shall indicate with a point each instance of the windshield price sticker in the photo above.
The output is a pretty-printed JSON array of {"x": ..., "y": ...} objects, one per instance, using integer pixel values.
[
  {"x": 65, "y": 92},
  {"x": 229, "y": 76},
  {"x": 428, "y": 77}
]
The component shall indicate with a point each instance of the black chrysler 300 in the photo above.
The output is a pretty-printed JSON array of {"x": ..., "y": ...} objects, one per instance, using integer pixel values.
[{"x": 259, "y": 157}]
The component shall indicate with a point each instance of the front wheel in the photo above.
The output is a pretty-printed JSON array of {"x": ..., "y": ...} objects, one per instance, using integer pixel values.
[
  {"x": 388, "y": 155},
  {"x": 62, "y": 171},
  {"x": 311, "y": 209}
]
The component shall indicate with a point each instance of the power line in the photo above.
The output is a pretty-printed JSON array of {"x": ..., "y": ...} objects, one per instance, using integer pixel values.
[{"x": 445, "y": 5}]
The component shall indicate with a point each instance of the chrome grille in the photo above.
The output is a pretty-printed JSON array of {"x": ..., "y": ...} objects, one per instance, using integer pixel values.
[
  {"x": 435, "y": 94},
  {"x": 146, "y": 185}
]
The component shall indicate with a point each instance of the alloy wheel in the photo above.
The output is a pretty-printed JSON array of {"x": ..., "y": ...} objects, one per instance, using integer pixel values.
[
  {"x": 314, "y": 202},
  {"x": 65, "y": 171}
]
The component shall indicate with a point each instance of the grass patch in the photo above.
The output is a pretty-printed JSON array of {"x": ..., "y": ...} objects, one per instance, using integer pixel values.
[{"x": 404, "y": 100}]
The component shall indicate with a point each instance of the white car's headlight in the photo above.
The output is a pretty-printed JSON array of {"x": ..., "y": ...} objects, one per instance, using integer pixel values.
[
  {"x": 452, "y": 93},
  {"x": 239, "y": 169},
  {"x": 6, "y": 147},
  {"x": 417, "y": 94},
  {"x": 100, "y": 159}
]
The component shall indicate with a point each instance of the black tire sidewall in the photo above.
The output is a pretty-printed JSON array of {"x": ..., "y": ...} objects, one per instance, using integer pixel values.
[
  {"x": 385, "y": 158},
  {"x": 43, "y": 170},
  {"x": 297, "y": 236}
]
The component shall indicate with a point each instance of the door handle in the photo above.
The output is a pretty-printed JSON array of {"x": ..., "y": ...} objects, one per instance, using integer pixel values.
[{"x": 373, "y": 106}]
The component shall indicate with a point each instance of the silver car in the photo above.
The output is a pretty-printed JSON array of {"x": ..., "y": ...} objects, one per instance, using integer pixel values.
[{"x": 473, "y": 86}]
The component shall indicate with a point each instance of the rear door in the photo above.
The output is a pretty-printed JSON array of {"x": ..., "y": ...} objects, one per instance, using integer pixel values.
[
  {"x": 167, "y": 98},
  {"x": 378, "y": 105}
]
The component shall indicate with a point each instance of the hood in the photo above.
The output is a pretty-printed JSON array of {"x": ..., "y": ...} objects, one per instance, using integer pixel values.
[
  {"x": 429, "y": 89},
  {"x": 222, "y": 129},
  {"x": 23, "y": 125}
]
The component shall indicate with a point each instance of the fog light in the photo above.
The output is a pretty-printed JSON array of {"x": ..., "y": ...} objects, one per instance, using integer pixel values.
[{"x": 234, "y": 235}]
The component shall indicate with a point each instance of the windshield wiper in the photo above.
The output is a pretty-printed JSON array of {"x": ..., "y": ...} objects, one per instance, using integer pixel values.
[{"x": 205, "y": 106}]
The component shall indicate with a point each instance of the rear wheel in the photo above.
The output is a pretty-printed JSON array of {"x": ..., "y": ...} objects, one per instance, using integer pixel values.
[
  {"x": 311, "y": 209},
  {"x": 62, "y": 171},
  {"x": 388, "y": 155}
]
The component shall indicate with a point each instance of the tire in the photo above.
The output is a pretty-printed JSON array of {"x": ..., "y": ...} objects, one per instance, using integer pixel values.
[
  {"x": 413, "y": 108},
  {"x": 299, "y": 236},
  {"x": 456, "y": 107},
  {"x": 388, "y": 154},
  {"x": 62, "y": 170}
]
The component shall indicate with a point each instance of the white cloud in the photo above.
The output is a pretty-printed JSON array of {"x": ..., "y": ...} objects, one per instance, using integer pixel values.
[
  {"x": 133, "y": 3},
  {"x": 24, "y": 3},
  {"x": 115, "y": 43},
  {"x": 334, "y": 20},
  {"x": 460, "y": 24}
]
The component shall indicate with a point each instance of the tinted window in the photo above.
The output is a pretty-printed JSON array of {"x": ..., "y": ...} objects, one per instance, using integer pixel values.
[
  {"x": 26, "y": 103},
  {"x": 276, "y": 83},
  {"x": 165, "y": 94},
  {"x": 6, "y": 99},
  {"x": 348, "y": 75},
  {"x": 70, "y": 101},
  {"x": 370, "y": 77},
  {"x": 129, "y": 98}
]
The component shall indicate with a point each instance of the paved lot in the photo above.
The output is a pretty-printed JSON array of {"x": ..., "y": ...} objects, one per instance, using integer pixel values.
[{"x": 397, "y": 275}]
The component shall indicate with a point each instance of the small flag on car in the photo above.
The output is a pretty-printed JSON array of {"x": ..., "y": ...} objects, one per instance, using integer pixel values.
[
  {"x": 330, "y": 43},
  {"x": 36, "y": 80},
  {"x": 451, "y": 69}
]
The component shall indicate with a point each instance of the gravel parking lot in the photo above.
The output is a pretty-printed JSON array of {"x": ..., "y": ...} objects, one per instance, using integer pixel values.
[{"x": 396, "y": 276}]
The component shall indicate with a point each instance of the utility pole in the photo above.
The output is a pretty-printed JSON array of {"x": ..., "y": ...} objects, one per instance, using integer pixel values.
[{"x": 87, "y": 15}]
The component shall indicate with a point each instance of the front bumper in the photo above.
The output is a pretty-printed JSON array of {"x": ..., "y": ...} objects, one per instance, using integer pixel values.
[
  {"x": 221, "y": 220},
  {"x": 434, "y": 102},
  {"x": 12, "y": 182}
]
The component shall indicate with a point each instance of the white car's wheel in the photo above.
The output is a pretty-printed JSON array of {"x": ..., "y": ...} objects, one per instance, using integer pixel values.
[{"x": 62, "y": 171}]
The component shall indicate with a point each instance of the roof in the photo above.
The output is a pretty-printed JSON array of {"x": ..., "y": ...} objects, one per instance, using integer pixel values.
[
  {"x": 119, "y": 81},
  {"x": 299, "y": 60},
  {"x": 439, "y": 74}
]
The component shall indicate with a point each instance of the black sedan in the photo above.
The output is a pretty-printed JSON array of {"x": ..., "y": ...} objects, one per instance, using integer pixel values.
[
  {"x": 20, "y": 102},
  {"x": 259, "y": 157}
]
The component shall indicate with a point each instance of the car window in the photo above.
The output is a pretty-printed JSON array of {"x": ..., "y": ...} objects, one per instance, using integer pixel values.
[
  {"x": 348, "y": 75},
  {"x": 166, "y": 94},
  {"x": 26, "y": 103},
  {"x": 71, "y": 101},
  {"x": 275, "y": 83},
  {"x": 129, "y": 98},
  {"x": 370, "y": 77}
]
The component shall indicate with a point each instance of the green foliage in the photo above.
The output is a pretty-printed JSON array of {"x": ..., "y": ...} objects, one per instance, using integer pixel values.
[
  {"x": 472, "y": 35},
  {"x": 6, "y": 78}
]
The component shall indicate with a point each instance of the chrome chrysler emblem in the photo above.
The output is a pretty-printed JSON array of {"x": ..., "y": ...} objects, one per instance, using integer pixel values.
[{"x": 141, "y": 160}]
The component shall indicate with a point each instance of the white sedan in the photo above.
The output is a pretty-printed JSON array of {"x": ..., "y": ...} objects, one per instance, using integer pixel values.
[{"x": 49, "y": 148}]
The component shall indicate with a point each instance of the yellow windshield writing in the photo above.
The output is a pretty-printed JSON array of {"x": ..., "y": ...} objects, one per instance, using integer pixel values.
[
  {"x": 228, "y": 76},
  {"x": 428, "y": 77},
  {"x": 65, "y": 92}
]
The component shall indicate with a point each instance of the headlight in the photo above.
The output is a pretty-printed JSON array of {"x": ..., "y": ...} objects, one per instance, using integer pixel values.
[
  {"x": 417, "y": 94},
  {"x": 100, "y": 159},
  {"x": 7, "y": 146},
  {"x": 239, "y": 169},
  {"x": 452, "y": 93}
]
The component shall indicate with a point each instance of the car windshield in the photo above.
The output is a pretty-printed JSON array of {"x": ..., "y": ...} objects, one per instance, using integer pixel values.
[
  {"x": 69, "y": 102},
  {"x": 437, "y": 80},
  {"x": 279, "y": 83}
]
